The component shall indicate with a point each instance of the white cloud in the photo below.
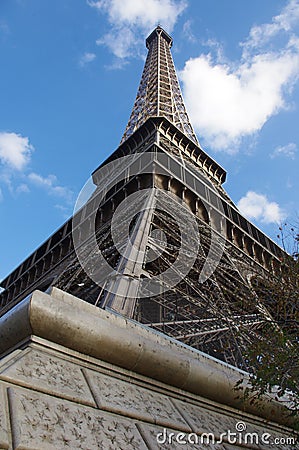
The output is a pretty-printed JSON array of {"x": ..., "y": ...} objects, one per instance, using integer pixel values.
[
  {"x": 49, "y": 183},
  {"x": 15, "y": 154},
  {"x": 9, "y": 178},
  {"x": 187, "y": 29},
  {"x": 119, "y": 42},
  {"x": 87, "y": 58},
  {"x": 288, "y": 150},
  {"x": 284, "y": 22},
  {"x": 130, "y": 18},
  {"x": 142, "y": 13},
  {"x": 228, "y": 101},
  {"x": 15, "y": 150},
  {"x": 22, "y": 188},
  {"x": 257, "y": 207},
  {"x": 227, "y": 104},
  {"x": 6, "y": 178}
]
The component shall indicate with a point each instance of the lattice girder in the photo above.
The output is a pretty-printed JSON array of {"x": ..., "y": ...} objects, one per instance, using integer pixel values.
[{"x": 159, "y": 92}]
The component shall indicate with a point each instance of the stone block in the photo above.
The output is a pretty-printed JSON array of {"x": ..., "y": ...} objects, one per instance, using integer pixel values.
[
  {"x": 44, "y": 422},
  {"x": 47, "y": 373},
  {"x": 203, "y": 420},
  {"x": 128, "y": 399},
  {"x": 4, "y": 423}
]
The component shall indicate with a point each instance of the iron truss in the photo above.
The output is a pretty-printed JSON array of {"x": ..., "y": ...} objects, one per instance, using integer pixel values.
[
  {"x": 220, "y": 317},
  {"x": 159, "y": 92}
]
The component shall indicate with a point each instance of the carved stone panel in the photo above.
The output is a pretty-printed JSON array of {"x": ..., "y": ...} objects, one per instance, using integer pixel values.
[
  {"x": 47, "y": 373},
  {"x": 128, "y": 399},
  {"x": 4, "y": 428},
  {"x": 48, "y": 423},
  {"x": 203, "y": 420},
  {"x": 237, "y": 428}
]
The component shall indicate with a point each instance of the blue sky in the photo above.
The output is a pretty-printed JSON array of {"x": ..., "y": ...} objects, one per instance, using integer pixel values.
[{"x": 69, "y": 74}]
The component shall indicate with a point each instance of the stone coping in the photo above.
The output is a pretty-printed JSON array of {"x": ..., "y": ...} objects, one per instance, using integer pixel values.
[{"x": 69, "y": 321}]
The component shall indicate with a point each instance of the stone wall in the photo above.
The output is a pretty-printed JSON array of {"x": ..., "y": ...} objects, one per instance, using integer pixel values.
[{"x": 56, "y": 397}]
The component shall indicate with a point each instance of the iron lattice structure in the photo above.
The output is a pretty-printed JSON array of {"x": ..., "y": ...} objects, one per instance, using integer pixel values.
[
  {"x": 219, "y": 314},
  {"x": 159, "y": 92}
]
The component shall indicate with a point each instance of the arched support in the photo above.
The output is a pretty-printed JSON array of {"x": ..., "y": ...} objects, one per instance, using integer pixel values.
[
  {"x": 190, "y": 200},
  {"x": 238, "y": 237},
  {"x": 248, "y": 245},
  {"x": 201, "y": 211}
]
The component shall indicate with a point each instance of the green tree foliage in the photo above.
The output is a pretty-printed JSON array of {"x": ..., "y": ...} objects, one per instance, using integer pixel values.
[{"x": 273, "y": 355}]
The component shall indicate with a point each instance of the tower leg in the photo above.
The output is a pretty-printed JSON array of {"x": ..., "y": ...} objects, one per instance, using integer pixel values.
[{"x": 122, "y": 290}]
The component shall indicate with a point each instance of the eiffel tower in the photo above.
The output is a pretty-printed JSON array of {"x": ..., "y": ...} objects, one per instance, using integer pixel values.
[{"x": 158, "y": 239}]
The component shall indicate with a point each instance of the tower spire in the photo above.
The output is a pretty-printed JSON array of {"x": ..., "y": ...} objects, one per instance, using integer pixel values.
[{"x": 159, "y": 91}]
